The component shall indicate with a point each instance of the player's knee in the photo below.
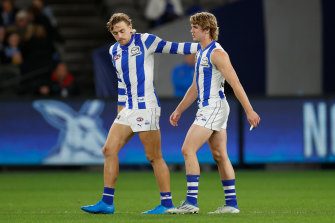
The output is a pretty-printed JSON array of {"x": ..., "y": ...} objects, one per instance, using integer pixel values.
[
  {"x": 219, "y": 156},
  {"x": 187, "y": 152},
  {"x": 152, "y": 158},
  {"x": 108, "y": 151}
]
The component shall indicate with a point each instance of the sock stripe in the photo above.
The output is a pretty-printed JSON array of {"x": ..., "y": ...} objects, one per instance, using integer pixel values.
[
  {"x": 230, "y": 194},
  {"x": 192, "y": 184},
  {"x": 194, "y": 196},
  {"x": 229, "y": 187},
  {"x": 166, "y": 199},
  {"x": 192, "y": 188},
  {"x": 108, "y": 195}
]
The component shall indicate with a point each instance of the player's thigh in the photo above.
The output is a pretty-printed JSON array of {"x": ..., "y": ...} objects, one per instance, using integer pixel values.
[
  {"x": 117, "y": 137},
  {"x": 218, "y": 143},
  {"x": 196, "y": 137},
  {"x": 151, "y": 141}
]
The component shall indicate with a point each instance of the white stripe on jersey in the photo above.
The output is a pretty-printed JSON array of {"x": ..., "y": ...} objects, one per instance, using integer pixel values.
[
  {"x": 134, "y": 64},
  {"x": 209, "y": 79}
]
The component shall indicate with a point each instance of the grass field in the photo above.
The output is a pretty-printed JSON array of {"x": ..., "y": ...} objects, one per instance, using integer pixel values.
[{"x": 302, "y": 196}]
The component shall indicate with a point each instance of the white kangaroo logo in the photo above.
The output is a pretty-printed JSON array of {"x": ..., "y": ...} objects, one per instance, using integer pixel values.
[{"x": 81, "y": 133}]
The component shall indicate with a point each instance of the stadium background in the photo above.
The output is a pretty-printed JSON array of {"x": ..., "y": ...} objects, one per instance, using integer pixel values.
[{"x": 283, "y": 53}]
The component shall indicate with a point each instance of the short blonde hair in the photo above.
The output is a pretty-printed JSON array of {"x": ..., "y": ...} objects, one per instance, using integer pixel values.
[
  {"x": 206, "y": 20},
  {"x": 116, "y": 18}
]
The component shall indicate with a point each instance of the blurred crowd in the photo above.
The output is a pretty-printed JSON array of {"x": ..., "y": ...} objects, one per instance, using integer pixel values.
[{"x": 30, "y": 49}]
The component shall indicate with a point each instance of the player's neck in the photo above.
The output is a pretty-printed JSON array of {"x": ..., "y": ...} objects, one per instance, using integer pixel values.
[{"x": 204, "y": 43}]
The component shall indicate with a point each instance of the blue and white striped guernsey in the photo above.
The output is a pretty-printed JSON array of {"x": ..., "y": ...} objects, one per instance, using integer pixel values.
[
  {"x": 134, "y": 64},
  {"x": 209, "y": 79}
]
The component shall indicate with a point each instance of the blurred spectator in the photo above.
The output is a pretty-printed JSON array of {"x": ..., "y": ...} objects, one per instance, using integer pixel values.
[
  {"x": 10, "y": 59},
  {"x": 182, "y": 76},
  {"x": 45, "y": 10},
  {"x": 12, "y": 50},
  {"x": 41, "y": 15},
  {"x": 7, "y": 13},
  {"x": 61, "y": 84},
  {"x": 37, "y": 51},
  {"x": 159, "y": 12},
  {"x": 24, "y": 28},
  {"x": 2, "y": 45}
]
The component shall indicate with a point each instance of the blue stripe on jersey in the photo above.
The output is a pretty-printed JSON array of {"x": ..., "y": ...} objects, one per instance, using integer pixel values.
[
  {"x": 114, "y": 52},
  {"x": 174, "y": 48},
  {"x": 187, "y": 48},
  {"x": 140, "y": 71},
  {"x": 160, "y": 46},
  {"x": 125, "y": 71},
  {"x": 123, "y": 103},
  {"x": 119, "y": 80},
  {"x": 197, "y": 70},
  {"x": 151, "y": 38},
  {"x": 221, "y": 94},
  {"x": 121, "y": 91},
  {"x": 208, "y": 76}
]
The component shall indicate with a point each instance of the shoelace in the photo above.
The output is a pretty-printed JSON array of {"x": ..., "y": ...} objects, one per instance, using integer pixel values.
[{"x": 182, "y": 203}]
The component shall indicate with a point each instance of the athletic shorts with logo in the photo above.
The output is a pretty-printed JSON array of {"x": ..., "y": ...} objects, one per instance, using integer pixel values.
[
  {"x": 139, "y": 120},
  {"x": 213, "y": 116}
]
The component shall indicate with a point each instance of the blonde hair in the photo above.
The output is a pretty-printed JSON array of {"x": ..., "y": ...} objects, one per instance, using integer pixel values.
[
  {"x": 116, "y": 18},
  {"x": 206, "y": 20}
]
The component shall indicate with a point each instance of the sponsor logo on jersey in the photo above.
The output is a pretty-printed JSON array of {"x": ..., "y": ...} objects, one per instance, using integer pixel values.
[
  {"x": 117, "y": 57},
  {"x": 140, "y": 99},
  {"x": 147, "y": 122},
  {"x": 204, "y": 62},
  {"x": 140, "y": 119},
  {"x": 136, "y": 50}
]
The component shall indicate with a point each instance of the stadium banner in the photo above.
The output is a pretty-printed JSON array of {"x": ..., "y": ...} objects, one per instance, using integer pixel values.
[
  {"x": 73, "y": 132},
  {"x": 291, "y": 131}
]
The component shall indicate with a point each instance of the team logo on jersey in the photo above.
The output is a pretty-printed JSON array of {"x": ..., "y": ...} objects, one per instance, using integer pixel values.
[
  {"x": 136, "y": 50},
  {"x": 139, "y": 119},
  {"x": 204, "y": 62},
  {"x": 117, "y": 57}
]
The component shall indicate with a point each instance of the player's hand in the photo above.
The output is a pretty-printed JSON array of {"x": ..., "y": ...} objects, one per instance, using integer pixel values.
[
  {"x": 174, "y": 117},
  {"x": 253, "y": 118}
]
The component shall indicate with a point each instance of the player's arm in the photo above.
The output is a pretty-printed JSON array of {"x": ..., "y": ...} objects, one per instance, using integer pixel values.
[
  {"x": 190, "y": 96},
  {"x": 155, "y": 44},
  {"x": 122, "y": 97},
  {"x": 221, "y": 60}
]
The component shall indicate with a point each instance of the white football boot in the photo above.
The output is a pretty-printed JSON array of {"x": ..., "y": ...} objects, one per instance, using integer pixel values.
[
  {"x": 184, "y": 208},
  {"x": 226, "y": 209}
]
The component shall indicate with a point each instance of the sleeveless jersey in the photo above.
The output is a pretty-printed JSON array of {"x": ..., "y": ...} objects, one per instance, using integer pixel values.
[{"x": 209, "y": 79}]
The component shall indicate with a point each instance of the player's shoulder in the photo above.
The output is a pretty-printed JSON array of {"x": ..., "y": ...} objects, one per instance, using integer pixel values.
[
  {"x": 218, "y": 50},
  {"x": 145, "y": 36},
  {"x": 218, "y": 53},
  {"x": 112, "y": 47}
]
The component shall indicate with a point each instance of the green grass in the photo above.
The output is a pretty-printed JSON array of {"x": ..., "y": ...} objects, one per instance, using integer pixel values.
[{"x": 301, "y": 196}]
